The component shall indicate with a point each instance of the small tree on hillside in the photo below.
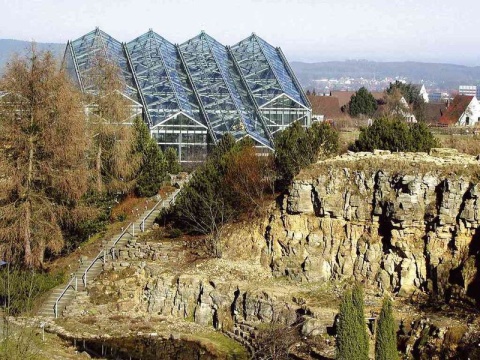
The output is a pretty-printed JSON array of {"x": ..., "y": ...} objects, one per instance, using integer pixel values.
[
  {"x": 362, "y": 103},
  {"x": 249, "y": 176},
  {"x": 205, "y": 204},
  {"x": 171, "y": 158},
  {"x": 386, "y": 338},
  {"x": 152, "y": 170},
  {"x": 352, "y": 337},
  {"x": 321, "y": 140}
]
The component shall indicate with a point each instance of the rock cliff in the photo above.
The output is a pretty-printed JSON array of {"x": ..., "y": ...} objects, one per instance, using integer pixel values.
[{"x": 402, "y": 222}]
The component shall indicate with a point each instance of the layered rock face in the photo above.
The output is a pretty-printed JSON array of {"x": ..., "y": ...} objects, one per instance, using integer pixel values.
[{"x": 402, "y": 222}]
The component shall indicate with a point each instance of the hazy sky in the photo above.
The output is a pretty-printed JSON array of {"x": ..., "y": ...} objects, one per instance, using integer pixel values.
[{"x": 307, "y": 30}]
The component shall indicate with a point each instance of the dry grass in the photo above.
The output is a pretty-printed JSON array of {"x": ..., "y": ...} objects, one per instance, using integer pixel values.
[
  {"x": 391, "y": 165},
  {"x": 468, "y": 144},
  {"x": 345, "y": 138}
]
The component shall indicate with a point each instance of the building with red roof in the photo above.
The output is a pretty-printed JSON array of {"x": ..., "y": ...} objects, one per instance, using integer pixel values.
[
  {"x": 325, "y": 108},
  {"x": 463, "y": 111}
]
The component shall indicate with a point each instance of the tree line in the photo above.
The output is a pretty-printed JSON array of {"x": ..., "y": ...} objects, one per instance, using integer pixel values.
[{"x": 62, "y": 166}]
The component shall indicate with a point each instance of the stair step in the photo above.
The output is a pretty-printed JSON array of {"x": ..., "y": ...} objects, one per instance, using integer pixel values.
[{"x": 96, "y": 268}]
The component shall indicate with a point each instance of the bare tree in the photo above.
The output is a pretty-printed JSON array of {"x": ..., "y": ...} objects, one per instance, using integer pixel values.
[
  {"x": 43, "y": 170},
  {"x": 275, "y": 342},
  {"x": 207, "y": 214}
]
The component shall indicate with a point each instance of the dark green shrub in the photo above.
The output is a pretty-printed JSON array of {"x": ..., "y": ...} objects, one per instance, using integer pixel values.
[
  {"x": 394, "y": 134},
  {"x": 362, "y": 103},
  {"x": 296, "y": 148}
]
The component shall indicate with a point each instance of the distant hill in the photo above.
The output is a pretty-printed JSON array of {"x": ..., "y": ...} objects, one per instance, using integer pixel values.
[
  {"x": 10, "y": 47},
  {"x": 444, "y": 75}
]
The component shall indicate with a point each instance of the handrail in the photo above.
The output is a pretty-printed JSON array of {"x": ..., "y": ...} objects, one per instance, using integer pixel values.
[
  {"x": 142, "y": 226},
  {"x": 102, "y": 253},
  {"x": 55, "y": 308}
]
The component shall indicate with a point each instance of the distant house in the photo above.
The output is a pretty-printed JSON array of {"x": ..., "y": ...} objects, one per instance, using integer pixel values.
[
  {"x": 422, "y": 92},
  {"x": 434, "y": 111},
  {"x": 403, "y": 109},
  {"x": 438, "y": 97},
  {"x": 325, "y": 108},
  {"x": 463, "y": 111}
]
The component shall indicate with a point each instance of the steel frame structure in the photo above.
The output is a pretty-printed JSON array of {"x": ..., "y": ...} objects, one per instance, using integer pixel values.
[
  {"x": 195, "y": 92},
  {"x": 272, "y": 83}
]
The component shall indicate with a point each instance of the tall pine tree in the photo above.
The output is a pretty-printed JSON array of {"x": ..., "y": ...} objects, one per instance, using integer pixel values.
[
  {"x": 352, "y": 337},
  {"x": 386, "y": 339}
]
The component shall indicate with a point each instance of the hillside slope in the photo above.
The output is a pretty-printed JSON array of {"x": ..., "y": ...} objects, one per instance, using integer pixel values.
[{"x": 10, "y": 47}]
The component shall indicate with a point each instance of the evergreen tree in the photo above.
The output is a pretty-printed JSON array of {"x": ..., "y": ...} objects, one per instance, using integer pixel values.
[
  {"x": 289, "y": 155},
  {"x": 153, "y": 166},
  {"x": 362, "y": 103},
  {"x": 171, "y": 158},
  {"x": 352, "y": 337},
  {"x": 296, "y": 148},
  {"x": 386, "y": 339}
]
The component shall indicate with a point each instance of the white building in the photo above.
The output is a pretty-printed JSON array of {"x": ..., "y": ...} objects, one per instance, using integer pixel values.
[
  {"x": 463, "y": 111},
  {"x": 469, "y": 90}
]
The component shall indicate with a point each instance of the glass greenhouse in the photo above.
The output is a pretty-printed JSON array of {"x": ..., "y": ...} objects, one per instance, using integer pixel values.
[{"x": 193, "y": 93}]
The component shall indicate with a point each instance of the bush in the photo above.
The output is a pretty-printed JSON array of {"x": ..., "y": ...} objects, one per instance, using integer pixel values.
[{"x": 394, "y": 134}]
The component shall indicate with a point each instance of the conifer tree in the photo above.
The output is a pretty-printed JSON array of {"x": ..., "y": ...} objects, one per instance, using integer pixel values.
[
  {"x": 43, "y": 168},
  {"x": 116, "y": 165},
  {"x": 152, "y": 170},
  {"x": 171, "y": 158},
  {"x": 362, "y": 103},
  {"x": 386, "y": 339},
  {"x": 352, "y": 337}
]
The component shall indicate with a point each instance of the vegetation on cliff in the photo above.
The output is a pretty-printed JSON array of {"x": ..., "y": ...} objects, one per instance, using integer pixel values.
[
  {"x": 395, "y": 134},
  {"x": 232, "y": 181},
  {"x": 296, "y": 148}
]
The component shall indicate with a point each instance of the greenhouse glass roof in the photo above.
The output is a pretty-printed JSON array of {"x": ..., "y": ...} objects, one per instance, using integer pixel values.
[{"x": 221, "y": 88}]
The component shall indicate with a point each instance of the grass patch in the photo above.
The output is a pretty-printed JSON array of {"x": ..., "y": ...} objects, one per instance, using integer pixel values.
[
  {"x": 222, "y": 345},
  {"x": 319, "y": 295}
]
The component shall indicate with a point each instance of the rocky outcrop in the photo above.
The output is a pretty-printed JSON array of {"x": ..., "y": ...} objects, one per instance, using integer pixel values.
[{"x": 402, "y": 222}]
